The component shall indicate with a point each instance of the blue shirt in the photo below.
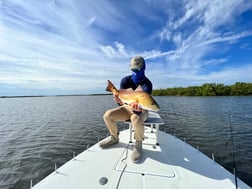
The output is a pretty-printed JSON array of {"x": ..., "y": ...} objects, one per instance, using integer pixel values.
[{"x": 127, "y": 82}]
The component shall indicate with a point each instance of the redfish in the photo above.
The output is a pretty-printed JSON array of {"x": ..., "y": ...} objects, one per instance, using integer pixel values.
[{"x": 144, "y": 99}]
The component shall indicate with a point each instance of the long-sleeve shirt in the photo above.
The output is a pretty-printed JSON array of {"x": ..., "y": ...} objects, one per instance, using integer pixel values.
[{"x": 127, "y": 82}]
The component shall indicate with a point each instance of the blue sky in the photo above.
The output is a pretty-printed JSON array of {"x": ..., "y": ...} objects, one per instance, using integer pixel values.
[{"x": 54, "y": 47}]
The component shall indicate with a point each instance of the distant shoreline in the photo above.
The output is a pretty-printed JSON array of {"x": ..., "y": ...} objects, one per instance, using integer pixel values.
[
  {"x": 35, "y": 96},
  {"x": 208, "y": 89},
  {"x": 109, "y": 94}
]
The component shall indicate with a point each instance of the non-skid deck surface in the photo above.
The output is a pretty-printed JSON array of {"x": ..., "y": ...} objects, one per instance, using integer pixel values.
[{"x": 173, "y": 164}]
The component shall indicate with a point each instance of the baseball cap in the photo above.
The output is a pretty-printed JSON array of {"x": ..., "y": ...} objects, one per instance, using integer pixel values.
[{"x": 137, "y": 62}]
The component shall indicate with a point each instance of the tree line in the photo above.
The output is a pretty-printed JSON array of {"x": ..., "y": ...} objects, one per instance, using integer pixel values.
[{"x": 208, "y": 89}]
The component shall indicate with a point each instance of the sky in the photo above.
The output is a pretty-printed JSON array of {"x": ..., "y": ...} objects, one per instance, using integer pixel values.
[{"x": 62, "y": 47}]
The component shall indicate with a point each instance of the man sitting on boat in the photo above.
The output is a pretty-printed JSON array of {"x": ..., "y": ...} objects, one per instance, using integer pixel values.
[{"x": 131, "y": 111}]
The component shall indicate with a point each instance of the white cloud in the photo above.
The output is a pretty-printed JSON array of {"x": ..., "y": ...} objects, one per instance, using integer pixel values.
[
  {"x": 215, "y": 61},
  {"x": 70, "y": 44},
  {"x": 108, "y": 50},
  {"x": 120, "y": 48},
  {"x": 91, "y": 21},
  {"x": 117, "y": 51},
  {"x": 156, "y": 54},
  {"x": 195, "y": 32}
]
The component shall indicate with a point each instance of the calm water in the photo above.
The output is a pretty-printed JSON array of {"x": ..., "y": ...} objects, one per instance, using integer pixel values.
[{"x": 36, "y": 133}]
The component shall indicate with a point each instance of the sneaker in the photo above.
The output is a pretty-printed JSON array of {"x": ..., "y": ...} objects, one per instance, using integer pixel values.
[
  {"x": 109, "y": 142},
  {"x": 137, "y": 152}
]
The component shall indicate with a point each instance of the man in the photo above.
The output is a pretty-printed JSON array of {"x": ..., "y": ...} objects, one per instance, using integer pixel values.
[{"x": 129, "y": 111}]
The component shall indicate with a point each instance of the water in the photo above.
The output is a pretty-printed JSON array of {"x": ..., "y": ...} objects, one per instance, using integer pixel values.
[{"x": 36, "y": 133}]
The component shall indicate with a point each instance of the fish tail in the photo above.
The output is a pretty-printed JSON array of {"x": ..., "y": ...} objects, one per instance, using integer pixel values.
[{"x": 111, "y": 87}]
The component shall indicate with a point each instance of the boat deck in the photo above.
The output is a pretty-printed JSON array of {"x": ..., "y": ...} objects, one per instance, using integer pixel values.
[{"x": 171, "y": 164}]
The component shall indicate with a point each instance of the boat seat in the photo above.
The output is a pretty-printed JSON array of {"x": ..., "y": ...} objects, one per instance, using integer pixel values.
[{"x": 153, "y": 120}]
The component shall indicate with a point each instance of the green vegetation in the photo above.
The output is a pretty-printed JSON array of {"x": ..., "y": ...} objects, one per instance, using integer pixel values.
[{"x": 208, "y": 89}]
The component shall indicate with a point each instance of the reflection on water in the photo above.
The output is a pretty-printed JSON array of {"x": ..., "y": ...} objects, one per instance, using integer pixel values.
[{"x": 36, "y": 133}]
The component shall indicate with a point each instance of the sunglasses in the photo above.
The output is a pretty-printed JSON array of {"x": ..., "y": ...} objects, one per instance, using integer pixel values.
[{"x": 135, "y": 69}]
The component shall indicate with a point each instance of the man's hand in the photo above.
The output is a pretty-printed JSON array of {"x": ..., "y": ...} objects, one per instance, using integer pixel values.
[
  {"x": 118, "y": 100},
  {"x": 136, "y": 107}
]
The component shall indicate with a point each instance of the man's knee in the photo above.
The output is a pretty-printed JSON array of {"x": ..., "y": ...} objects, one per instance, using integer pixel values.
[
  {"x": 135, "y": 118},
  {"x": 107, "y": 115}
]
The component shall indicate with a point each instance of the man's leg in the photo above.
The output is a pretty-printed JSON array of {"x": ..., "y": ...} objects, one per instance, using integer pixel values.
[
  {"x": 138, "y": 125},
  {"x": 110, "y": 118}
]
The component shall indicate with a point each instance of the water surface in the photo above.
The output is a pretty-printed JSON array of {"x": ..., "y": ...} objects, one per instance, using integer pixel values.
[{"x": 36, "y": 133}]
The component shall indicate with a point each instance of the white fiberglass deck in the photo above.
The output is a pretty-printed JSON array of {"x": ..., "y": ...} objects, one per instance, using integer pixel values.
[{"x": 171, "y": 164}]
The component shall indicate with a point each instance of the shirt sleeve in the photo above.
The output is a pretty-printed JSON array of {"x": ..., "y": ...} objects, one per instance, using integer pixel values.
[{"x": 125, "y": 82}]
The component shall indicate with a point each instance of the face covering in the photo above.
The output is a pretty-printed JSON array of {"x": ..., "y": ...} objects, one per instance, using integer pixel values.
[{"x": 138, "y": 75}]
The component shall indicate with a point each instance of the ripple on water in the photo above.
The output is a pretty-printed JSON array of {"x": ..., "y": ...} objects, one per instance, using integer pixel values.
[{"x": 36, "y": 133}]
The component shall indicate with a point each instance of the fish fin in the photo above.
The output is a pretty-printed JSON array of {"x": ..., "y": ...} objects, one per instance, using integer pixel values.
[
  {"x": 110, "y": 87},
  {"x": 129, "y": 90},
  {"x": 139, "y": 88},
  {"x": 126, "y": 90}
]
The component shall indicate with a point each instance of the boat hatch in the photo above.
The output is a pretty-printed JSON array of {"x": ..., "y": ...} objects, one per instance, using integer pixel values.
[{"x": 153, "y": 162}]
